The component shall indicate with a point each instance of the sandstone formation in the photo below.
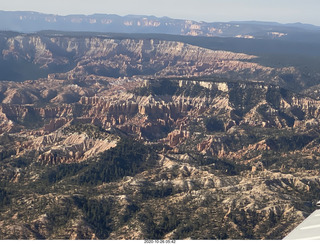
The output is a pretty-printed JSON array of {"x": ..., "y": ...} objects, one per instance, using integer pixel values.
[
  {"x": 114, "y": 148},
  {"x": 127, "y": 57}
]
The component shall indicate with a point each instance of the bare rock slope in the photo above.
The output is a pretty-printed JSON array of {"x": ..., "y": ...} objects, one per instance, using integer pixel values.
[{"x": 90, "y": 154}]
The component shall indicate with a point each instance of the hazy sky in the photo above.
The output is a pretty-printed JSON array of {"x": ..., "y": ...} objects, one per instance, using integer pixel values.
[{"x": 283, "y": 11}]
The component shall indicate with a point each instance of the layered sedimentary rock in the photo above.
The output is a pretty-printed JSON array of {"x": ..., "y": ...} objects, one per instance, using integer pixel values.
[
  {"x": 85, "y": 156},
  {"x": 168, "y": 118},
  {"x": 127, "y": 57}
]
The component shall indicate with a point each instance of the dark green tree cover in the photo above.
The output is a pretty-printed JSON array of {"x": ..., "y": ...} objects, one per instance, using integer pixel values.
[
  {"x": 246, "y": 220},
  {"x": 214, "y": 124},
  {"x": 237, "y": 141},
  {"x": 128, "y": 158},
  {"x": 4, "y": 198},
  {"x": 59, "y": 215},
  {"x": 5, "y": 139},
  {"x": 275, "y": 94},
  {"x": 289, "y": 119},
  {"x": 298, "y": 113},
  {"x": 157, "y": 229},
  {"x": 57, "y": 173},
  {"x": 157, "y": 191},
  {"x": 130, "y": 210},
  {"x": 244, "y": 97},
  {"x": 21, "y": 162},
  {"x": 97, "y": 214},
  {"x": 273, "y": 160},
  {"x": 171, "y": 87},
  {"x": 92, "y": 131},
  {"x": 7, "y": 153},
  {"x": 155, "y": 133},
  {"x": 195, "y": 90},
  {"x": 31, "y": 120},
  {"x": 273, "y": 97},
  {"x": 157, "y": 87},
  {"x": 224, "y": 166},
  {"x": 289, "y": 143}
]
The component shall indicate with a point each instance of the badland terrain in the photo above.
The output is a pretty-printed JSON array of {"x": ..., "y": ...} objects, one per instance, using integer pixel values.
[{"x": 153, "y": 136}]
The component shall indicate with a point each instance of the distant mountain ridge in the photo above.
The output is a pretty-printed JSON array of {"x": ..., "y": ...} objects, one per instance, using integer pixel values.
[{"x": 23, "y": 21}]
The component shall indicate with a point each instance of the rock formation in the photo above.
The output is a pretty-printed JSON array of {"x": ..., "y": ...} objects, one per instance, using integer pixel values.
[{"x": 115, "y": 148}]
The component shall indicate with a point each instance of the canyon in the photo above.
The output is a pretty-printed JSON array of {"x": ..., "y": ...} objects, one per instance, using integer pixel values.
[{"x": 153, "y": 139}]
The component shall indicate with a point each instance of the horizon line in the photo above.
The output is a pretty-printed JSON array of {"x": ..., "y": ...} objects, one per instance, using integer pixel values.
[{"x": 163, "y": 17}]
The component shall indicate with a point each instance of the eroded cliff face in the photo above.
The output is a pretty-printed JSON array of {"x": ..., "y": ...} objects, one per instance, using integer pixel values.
[
  {"x": 21, "y": 21},
  {"x": 30, "y": 22},
  {"x": 88, "y": 156},
  {"x": 128, "y": 57},
  {"x": 200, "y": 165},
  {"x": 170, "y": 119}
]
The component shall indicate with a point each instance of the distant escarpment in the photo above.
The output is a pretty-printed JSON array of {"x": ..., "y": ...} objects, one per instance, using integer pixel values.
[
  {"x": 111, "y": 57},
  {"x": 33, "y": 56},
  {"x": 30, "y": 22}
]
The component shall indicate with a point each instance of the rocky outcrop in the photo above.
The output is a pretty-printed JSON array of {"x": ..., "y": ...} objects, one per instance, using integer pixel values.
[
  {"x": 214, "y": 147},
  {"x": 128, "y": 57},
  {"x": 200, "y": 158},
  {"x": 176, "y": 137},
  {"x": 57, "y": 148},
  {"x": 164, "y": 116}
]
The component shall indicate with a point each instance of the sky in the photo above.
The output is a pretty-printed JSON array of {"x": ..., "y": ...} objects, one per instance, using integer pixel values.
[{"x": 282, "y": 11}]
